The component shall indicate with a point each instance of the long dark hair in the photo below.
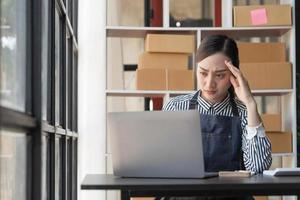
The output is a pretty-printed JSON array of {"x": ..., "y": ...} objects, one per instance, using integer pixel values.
[{"x": 213, "y": 44}]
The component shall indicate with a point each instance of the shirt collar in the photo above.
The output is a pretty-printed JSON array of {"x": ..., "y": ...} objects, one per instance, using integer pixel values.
[{"x": 218, "y": 107}]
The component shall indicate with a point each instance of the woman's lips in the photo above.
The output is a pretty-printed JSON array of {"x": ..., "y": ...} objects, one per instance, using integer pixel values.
[{"x": 210, "y": 92}]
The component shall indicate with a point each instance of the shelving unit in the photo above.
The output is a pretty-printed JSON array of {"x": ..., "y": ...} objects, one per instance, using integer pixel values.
[
  {"x": 140, "y": 32},
  {"x": 283, "y": 33},
  {"x": 161, "y": 93}
]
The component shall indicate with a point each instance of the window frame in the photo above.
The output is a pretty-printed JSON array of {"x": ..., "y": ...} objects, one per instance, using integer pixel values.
[{"x": 31, "y": 121}]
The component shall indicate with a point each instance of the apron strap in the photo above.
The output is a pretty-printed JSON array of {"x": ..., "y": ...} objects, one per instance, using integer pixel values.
[
  {"x": 194, "y": 101},
  {"x": 234, "y": 107}
]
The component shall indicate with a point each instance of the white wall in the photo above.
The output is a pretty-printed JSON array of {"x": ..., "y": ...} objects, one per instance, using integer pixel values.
[{"x": 91, "y": 92}]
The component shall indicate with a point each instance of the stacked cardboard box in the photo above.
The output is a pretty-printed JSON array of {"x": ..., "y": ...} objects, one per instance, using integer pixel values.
[
  {"x": 262, "y": 15},
  {"x": 264, "y": 65},
  {"x": 281, "y": 141},
  {"x": 164, "y": 64}
]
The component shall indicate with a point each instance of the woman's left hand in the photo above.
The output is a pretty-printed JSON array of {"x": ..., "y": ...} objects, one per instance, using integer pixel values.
[{"x": 240, "y": 84}]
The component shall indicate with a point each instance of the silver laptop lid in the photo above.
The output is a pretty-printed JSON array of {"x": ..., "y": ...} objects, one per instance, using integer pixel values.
[{"x": 166, "y": 144}]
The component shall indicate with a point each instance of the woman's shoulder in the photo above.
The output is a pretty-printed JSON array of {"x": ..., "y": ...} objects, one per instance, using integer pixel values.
[
  {"x": 183, "y": 98},
  {"x": 178, "y": 101}
]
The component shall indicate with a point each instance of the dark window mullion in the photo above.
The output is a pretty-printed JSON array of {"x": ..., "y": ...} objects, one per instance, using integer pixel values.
[
  {"x": 62, "y": 85},
  {"x": 51, "y": 68},
  {"x": 28, "y": 103},
  {"x": 64, "y": 167}
]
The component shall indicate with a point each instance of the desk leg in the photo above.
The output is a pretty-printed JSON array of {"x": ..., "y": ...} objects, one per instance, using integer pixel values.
[{"x": 125, "y": 195}]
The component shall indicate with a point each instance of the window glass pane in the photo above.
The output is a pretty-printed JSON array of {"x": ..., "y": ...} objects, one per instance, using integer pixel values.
[
  {"x": 75, "y": 93},
  {"x": 58, "y": 168},
  {"x": 46, "y": 168},
  {"x": 75, "y": 11},
  {"x": 13, "y": 54},
  {"x": 57, "y": 63},
  {"x": 74, "y": 164},
  {"x": 46, "y": 59},
  {"x": 59, "y": 70},
  {"x": 70, "y": 78},
  {"x": 15, "y": 165},
  {"x": 69, "y": 168},
  {"x": 70, "y": 10},
  {"x": 62, "y": 75}
]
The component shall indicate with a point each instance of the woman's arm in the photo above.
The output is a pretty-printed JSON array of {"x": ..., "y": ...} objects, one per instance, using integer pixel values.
[{"x": 255, "y": 145}]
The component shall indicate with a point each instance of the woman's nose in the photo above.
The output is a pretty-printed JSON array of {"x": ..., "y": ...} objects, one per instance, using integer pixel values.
[{"x": 210, "y": 82}]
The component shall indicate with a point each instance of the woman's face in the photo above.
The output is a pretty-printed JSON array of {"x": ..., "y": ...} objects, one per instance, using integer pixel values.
[{"x": 213, "y": 77}]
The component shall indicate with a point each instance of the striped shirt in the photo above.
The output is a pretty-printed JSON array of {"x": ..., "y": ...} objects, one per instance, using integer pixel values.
[{"x": 256, "y": 147}]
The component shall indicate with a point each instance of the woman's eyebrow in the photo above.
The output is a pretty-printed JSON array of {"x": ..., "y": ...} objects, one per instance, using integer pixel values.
[
  {"x": 217, "y": 71},
  {"x": 221, "y": 70},
  {"x": 203, "y": 69}
]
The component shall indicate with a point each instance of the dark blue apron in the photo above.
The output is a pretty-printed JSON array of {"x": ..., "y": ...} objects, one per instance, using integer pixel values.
[
  {"x": 222, "y": 139},
  {"x": 222, "y": 142}
]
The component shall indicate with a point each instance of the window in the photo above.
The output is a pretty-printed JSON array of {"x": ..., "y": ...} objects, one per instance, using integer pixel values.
[
  {"x": 15, "y": 165},
  {"x": 38, "y": 102},
  {"x": 13, "y": 54}
]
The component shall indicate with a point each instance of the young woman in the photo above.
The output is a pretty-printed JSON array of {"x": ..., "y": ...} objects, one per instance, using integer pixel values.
[{"x": 233, "y": 135}]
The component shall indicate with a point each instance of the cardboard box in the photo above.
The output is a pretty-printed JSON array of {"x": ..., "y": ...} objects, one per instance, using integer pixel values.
[
  {"x": 261, "y": 197},
  {"x": 281, "y": 142},
  {"x": 268, "y": 75},
  {"x": 151, "y": 79},
  {"x": 264, "y": 15},
  {"x": 163, "y": 79},
  {"x": 170, "y": 43},
  {"x": 272, "y": 122},
  {"x": 180, "y": 80},
  {"x": 261, "y": 52},
  {"x": 163, "y": 61}
]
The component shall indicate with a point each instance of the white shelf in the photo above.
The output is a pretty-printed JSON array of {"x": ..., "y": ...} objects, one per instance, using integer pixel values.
[
  {"x": 273, "y": 154},
  {"x": 239, "y": 32},
  {"x": 236, "y": 32},
  {"x": 272, "y": 92},
  {"x": 140, "y": 32},
  {"x": 161, "y": 93},
  {"x": 144, "y": 93},
  {"x": 283, "y": 154}
]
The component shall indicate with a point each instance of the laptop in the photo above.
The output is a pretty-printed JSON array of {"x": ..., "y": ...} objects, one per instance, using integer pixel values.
[{"x": 157, "y": 144}]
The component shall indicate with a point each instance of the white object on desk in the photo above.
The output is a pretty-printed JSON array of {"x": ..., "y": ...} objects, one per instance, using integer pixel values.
[{"x": 283, "y": 172}]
